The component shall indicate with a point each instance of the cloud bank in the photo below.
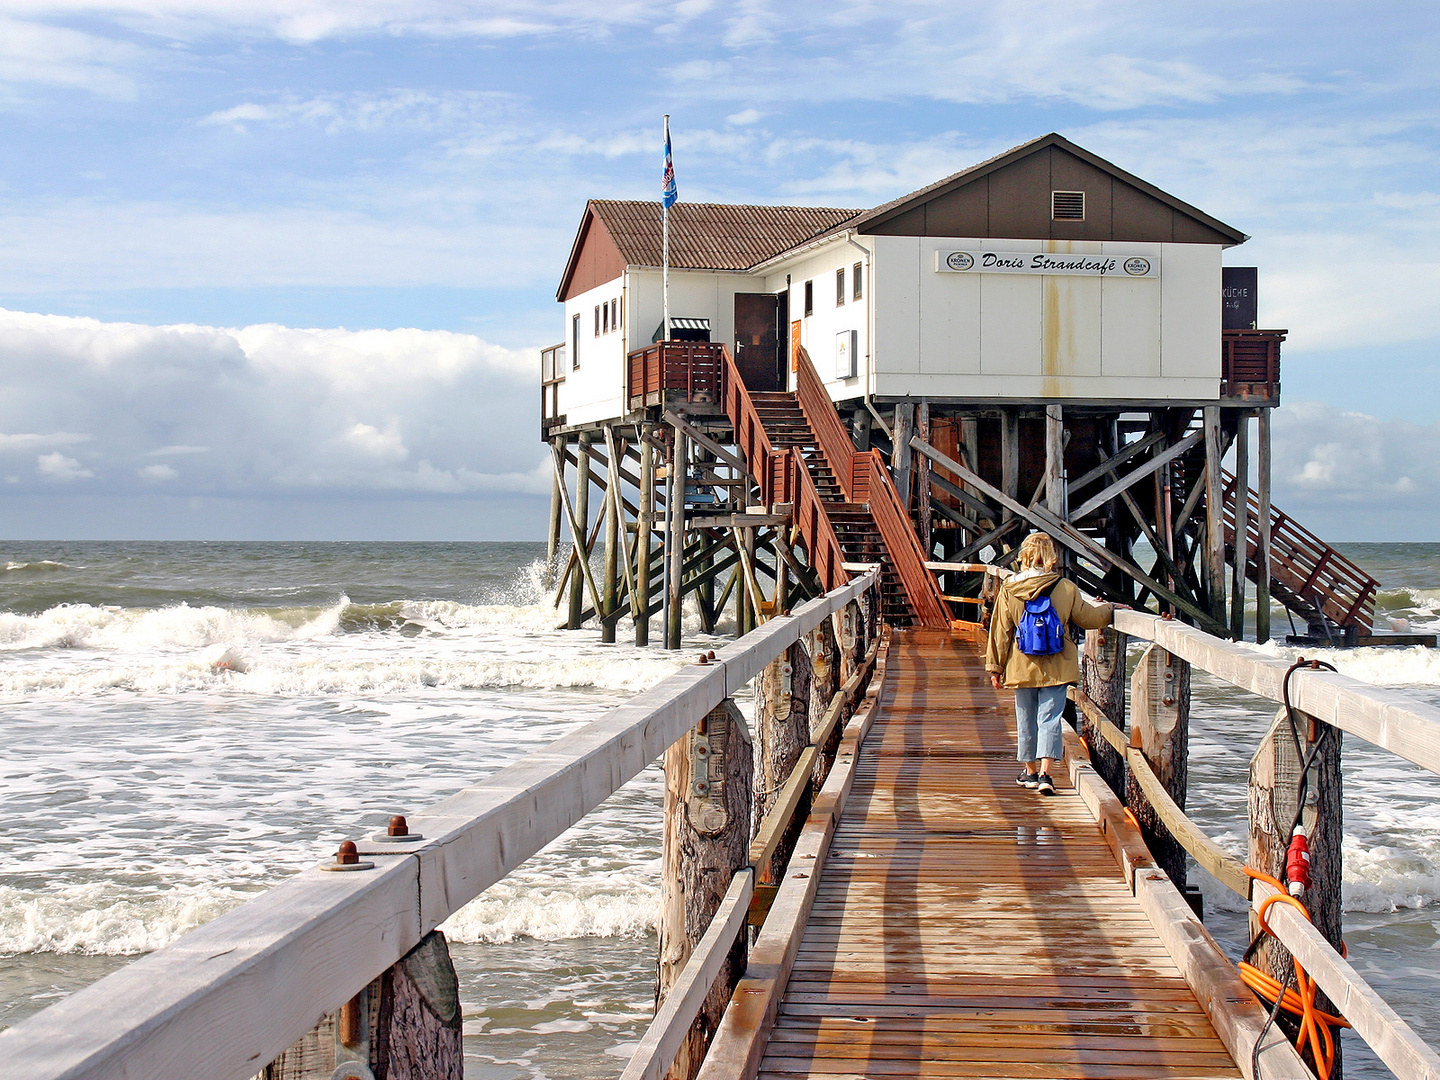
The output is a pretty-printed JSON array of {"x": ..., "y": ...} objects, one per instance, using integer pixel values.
[{"x": 117, "y": 408}]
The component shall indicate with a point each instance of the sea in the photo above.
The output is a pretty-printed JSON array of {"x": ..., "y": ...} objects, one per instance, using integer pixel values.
[{"x": 186, "y": 724}]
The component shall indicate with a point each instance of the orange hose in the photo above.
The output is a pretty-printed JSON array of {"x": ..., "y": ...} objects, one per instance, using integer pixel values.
[{"x": 1315, "y": 1024}]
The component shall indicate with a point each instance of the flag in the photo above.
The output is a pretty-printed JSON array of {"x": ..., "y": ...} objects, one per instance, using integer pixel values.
[{"x": 668, "y": 195}]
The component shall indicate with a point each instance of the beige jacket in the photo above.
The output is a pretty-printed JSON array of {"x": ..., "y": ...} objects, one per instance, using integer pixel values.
[{"x": 1063, "y": 667}]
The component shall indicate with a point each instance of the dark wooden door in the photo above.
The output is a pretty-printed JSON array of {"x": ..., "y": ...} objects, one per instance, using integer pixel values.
[{"x": 757, "y": 341}]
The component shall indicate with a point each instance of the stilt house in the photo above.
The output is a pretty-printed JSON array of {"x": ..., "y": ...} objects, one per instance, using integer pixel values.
[{"x": 1033, "y": 342}]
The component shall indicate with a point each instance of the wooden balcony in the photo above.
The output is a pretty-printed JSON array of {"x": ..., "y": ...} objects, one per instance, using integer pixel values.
[
  {"x": 692, "y": 369},
  {"x": 1250, "y": 365},
  {"x": 552, "y": 377}
]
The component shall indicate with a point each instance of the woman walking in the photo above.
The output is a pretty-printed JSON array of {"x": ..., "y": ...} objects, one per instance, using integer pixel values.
[{"x": 1031, "y": 650}]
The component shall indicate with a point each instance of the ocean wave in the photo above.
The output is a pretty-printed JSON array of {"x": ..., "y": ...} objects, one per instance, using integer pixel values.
[
  {"x": 99, "y": 919},
  {"x": 1387, "y": 665},
  {"x": 39, "y": 566},
  {"x": 235, "y": 671},
  {"x": 182, "y": 626}
]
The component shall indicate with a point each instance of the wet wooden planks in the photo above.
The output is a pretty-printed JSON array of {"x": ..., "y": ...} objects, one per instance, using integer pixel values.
[{"x": 967, "y": 927}]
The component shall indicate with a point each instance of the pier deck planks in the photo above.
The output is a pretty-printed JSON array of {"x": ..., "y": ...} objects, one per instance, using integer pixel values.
[{"x": 966, "y": 927}]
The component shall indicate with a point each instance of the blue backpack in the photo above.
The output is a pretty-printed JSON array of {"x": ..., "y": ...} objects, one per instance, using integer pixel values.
[{"x": 1040, "y": 631}]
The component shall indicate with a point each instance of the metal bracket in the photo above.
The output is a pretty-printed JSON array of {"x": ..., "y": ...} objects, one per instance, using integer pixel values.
[{"x": 706, "y": 803}]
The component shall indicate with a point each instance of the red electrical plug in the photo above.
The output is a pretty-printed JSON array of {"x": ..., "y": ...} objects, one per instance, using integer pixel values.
[{"x": 1297, "y": 862}]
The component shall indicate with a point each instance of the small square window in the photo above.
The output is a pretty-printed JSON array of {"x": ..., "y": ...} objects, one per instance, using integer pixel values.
[
  {"x": 1067, "y": 206},
  {"x": 855, "y": 280},
  {"x": 840, "y": 287},
  {"x": 809, "y": 298}
]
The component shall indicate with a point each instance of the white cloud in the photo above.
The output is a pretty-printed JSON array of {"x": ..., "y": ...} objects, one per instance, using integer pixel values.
[
  {"x": 32, "y": 52},
  {"x": 30, "y": 440},
  {"x": 270, "y": 409},
  {"x": 61, "y": 469},
  {"x": 370, "y": 112},
  {"x": 1327, "y": 455}
]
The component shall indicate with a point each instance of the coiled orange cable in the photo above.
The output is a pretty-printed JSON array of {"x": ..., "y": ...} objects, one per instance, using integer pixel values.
[{"x": 1315, "y": 1024}]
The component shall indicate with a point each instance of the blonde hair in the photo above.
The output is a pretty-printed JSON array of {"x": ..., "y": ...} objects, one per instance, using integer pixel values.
[{"x": 1039, "y": 550}]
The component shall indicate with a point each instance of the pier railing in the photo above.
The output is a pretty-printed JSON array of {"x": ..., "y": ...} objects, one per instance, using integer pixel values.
[
  {"x": 227, "y": 999},
  {"x": 1144, "y": 764}
]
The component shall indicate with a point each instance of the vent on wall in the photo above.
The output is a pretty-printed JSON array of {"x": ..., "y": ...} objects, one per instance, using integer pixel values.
[{"x": 1067, "y": 205}]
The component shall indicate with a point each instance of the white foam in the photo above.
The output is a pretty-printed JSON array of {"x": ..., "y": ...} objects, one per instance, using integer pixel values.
[
  {"x": 1385, "y": 878},
  {"x": 551, "y": 913},
  {"x": 1413, "y": 665},
  {"x": 96, "y": 919},
  {"x": 138, "y": 629}
]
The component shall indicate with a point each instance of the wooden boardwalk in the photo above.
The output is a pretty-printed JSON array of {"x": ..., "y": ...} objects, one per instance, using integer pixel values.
[{"x": 965, "y": 926}]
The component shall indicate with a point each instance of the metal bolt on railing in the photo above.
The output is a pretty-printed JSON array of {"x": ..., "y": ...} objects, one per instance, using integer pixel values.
[
  {"x": 398, "y": 832},
  {"x": 348, "y": 858}
]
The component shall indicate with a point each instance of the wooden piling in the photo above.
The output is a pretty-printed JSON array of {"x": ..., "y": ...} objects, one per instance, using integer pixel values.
[
  {"x": 707, "y": 838},
  {"x": 1102, "y": 680},
  {"x": 1274, "y": 780},
  {"x": 405, "y": 1025},
  {"x": 582, "y": 519},
  {"x": 610, "y": 594},
  {"x": 900, "y": 456},
  {"x": 1242, "y": 527},
  {"x": 552, "y": 535},
  {"x": 1009, "y": 459},
  {"x": 1055, "y": 495},
  {"x": 923, "y": 518},
  {"x": 1214, "y": 550},
  {"x": 824, "y": 681},
  {"x": 782, "y": 720},
  {"x": 675, "y": 541},
  {"x": 1160, "y": 730},
  {"x": 1262, "y": 556},
  {"x": 644, "y": 534}
]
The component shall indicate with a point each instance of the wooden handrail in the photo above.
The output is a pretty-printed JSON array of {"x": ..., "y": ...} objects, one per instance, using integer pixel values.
[
  {"x": 835, "y": 442},
  {"x": 826, "y": 556},
  {"x": 236, "y": 992},
  {"x": 898, "y": 534}
]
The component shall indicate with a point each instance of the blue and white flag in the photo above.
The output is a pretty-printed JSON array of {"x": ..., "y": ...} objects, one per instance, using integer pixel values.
[{"x": 668, "y": 195}]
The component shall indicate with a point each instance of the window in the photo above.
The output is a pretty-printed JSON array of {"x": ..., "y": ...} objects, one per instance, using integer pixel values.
[
  {"x": 1067, "y": 206},
  {"x": 597, "y": 320},
  {"x": 809, "y": 298},
  {"x": 839, "y": 286},
  {"x": 574, "y": 342},
  {"x": 615, "y": 314},
  {"x": 855, "y": 279},
  {"x": 620, "y": 311},
  {"x": 605, "y": 317}
]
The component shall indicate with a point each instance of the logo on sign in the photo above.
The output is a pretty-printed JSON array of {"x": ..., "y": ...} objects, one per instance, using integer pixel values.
[
  {"x": 1137, "y": 266},
  {"x": 960, "y": 260}
]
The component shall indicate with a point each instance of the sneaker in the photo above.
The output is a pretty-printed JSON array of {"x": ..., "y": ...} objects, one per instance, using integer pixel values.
[
  {"x": 1027, "y": 779},
  {"x": 1044, "y": 784}
]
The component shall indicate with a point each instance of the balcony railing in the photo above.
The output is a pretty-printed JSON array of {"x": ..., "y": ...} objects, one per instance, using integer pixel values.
[
  {"x": 552, "y": 377},
  {"x": 692, "y": 368},
  {"x": 1250, "y": 363}
]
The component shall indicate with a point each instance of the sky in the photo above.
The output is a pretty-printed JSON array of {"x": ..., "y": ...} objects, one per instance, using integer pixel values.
[{"x": 282, "y": 269}]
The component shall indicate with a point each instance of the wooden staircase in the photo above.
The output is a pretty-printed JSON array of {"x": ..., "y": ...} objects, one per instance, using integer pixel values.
[
  {"x": 1313, "y": 580},
  {"x": 844, "y": 502}
]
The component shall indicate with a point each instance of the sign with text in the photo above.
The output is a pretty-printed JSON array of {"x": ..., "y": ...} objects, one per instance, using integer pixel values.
[
  {"x": 1046, "y": 262},
  {"x": 1239, "y": 297}
]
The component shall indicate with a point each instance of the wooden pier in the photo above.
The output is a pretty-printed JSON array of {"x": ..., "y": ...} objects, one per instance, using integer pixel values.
[{"x": 965, "y": 926}]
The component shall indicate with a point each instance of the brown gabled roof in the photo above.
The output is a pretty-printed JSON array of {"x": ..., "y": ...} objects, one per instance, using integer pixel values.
[
  {"x": 704, "y": 236},
  {"x": 869, "y": 219}
]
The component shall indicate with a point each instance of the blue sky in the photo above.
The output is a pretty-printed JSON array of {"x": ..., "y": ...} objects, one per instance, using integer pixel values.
[{"x": 383, "y": 193}]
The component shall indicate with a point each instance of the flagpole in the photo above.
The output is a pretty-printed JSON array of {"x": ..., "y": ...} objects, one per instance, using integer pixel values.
[{"x": 665, "y": 242}]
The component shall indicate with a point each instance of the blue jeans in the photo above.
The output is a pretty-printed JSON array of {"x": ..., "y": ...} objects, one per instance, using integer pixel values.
[{"x": 1039, "y": 712}]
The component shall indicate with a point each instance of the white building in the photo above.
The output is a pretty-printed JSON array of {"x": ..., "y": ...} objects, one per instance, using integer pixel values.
[{"x": 1046, "y": 274}]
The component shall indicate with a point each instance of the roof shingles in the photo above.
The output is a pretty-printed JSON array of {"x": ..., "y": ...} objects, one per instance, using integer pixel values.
[{"x": 712, "y": 236}]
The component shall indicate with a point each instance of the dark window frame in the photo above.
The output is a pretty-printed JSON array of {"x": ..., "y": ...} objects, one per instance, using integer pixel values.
[
  {"x": 857, "y": 281},
  {"x": 575, "y": 350},
  {"x": 810, "y": 297},
  {"x": 840, "y": 287}
]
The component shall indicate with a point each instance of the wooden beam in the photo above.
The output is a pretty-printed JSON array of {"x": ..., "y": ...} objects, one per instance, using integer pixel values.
[
  {"x": 1263, "y": 555},
  {"x": 1138, "y": 473},
  {"x": 900, "y": 457},
  {"x": 701, "y": 439},
  {"x": 1070, "y": 537},
  {"x": 1055, "y": 500},
  {"x": 644, "y": 538},
  {"x": 552, "y": 534},
  {"x": 1242, "y": 528},
  {"x": 1112, "y": 463},
  {"x": 578, "y": 530},
  {"x": 1214, "y": 520}
]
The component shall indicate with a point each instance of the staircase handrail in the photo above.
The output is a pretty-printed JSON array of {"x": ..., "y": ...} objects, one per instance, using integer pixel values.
[
  {"x": 834, "y": 441},
  {"x": 750, "y": 434},
  {"x": 827, "y": 558},
  {"x": 897, "y": 532},
  {"x": 1345, "y": 593}
]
